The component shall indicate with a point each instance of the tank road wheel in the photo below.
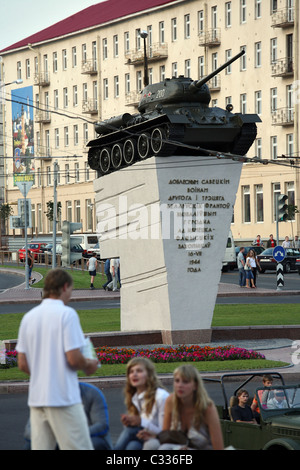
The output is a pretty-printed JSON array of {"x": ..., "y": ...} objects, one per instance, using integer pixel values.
[
  {"x": 129, "y": 151},
  {"x": 104, "y": 161},
  {"x": 143, "y": 145},
  {"x": 116, "y": 156},
  {"x": 158, "y": 137},
  {"x": 93, "y": 158}
]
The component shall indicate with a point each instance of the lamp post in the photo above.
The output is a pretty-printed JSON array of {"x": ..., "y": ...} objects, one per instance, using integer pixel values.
[{"x": 144, "y": 35}]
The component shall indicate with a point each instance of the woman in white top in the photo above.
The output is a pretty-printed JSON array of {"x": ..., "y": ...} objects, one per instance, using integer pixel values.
[
  {"x": 145, "y": 401},
  {"x": 92, "y": 267},
  {"x": 250, "y": 266}
]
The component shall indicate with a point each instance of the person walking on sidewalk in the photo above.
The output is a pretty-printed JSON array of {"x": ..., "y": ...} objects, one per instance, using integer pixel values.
[
  {"x": 114, "y": 264},
  {"x": 92, "y": 267},
  {"x": 49, "y": 350},
  {"x": 107, "y": 273},
  {"x": 30, "y": 266}
]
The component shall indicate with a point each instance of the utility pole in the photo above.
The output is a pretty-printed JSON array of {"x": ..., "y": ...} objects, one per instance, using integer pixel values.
[{"x": 54, "y": 216}]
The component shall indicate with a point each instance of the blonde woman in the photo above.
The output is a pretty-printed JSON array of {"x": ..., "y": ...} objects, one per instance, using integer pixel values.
[
  {"x": 189, "y": 409},
  {"x": 145, "y": 401}
]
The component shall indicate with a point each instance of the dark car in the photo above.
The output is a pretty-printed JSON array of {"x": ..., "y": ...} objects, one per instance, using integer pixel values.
[
  {"x": 279, "y": 425},
  {"x": 267, "y": 262}
]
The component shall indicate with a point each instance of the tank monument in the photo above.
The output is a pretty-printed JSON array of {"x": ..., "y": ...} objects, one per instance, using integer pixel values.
[{"x": 166, "y": 187}]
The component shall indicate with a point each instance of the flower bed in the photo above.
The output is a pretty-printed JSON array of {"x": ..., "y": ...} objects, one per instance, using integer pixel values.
[
  {"x": 10, "y": 360},
  {"x": 182, "y": 353}
]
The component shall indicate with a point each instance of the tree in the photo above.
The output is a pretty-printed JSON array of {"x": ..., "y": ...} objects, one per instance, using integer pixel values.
[
  {"x": 6, "y": 211},
  {"x": 49, "y": 213}
]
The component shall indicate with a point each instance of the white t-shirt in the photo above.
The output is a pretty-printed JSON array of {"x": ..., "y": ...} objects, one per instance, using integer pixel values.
[
  {"x": 154, "y": 421},
  {"x": 46, "y": 333}
]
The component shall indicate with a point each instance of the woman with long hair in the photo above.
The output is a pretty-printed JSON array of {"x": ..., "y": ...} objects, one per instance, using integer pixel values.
[
  {"x": 249, "y": 267},
  {"x": 145, "y": 400},
  {"x": 189, "y": 410}
]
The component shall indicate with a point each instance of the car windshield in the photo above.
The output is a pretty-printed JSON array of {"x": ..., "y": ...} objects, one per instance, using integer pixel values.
[
  {"x": 33, "y": 246},
  {"x": 268, "y": 251},
  {"x": 273, "y": 399}
]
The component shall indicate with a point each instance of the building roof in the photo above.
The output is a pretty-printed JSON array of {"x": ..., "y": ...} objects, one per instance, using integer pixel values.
[{"x": 92, "y": 16}]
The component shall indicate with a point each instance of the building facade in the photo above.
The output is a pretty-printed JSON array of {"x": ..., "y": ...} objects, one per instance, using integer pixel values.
[{"x": 89, "y": 67}]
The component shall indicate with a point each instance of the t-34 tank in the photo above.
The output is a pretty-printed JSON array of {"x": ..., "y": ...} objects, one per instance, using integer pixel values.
[{"x": 174, "y": 118}]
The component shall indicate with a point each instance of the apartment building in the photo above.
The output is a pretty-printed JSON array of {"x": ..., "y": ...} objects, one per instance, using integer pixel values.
[{"x": 89, "y": 67}]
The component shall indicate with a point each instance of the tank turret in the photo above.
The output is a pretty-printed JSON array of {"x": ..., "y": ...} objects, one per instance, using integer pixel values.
[{"x": 173, "y": 114}]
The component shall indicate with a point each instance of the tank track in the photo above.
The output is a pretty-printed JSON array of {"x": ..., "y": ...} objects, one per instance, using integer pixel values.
[{"x": 129, "y": 147}]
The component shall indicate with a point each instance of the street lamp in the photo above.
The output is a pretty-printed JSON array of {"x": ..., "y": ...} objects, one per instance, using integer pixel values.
[{"x": 144, "y": 35}]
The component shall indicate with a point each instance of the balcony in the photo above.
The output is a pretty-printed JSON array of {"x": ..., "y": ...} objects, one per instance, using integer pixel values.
[
  {"x": 90, "y": 106},
  {"x": 283, "y": 18},
  {"x": 283, "y": 117},
  {"x": 42, "y": 79},
  {"x": 43, "y": 153},
  {"x": 210, "y": 38},
  {"x": 155, "y": 52},
  {"x": 214, "y": 84},
  {"x": 43, "y": 117},
  {"x": 283, "y": 67},
  {"x": 89, "y": 67},
  {"x": 133, "y": 98}
]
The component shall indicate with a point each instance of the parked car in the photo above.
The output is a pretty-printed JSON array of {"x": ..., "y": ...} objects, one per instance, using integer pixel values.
[
  {"x": 267, "y": 262},
  {"x": 278, "y": 429},
  {"x": 258, "y": 250},
  {"x": 75, "y": 249},
  {"x": 298, "y": 265},
  {"x": 95, "y": 249},
  {"x": 36, "y": 248}
]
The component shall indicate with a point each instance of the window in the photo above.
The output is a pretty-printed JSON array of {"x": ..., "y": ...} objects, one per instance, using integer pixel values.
[
  {"x": 77, "y": 211},
  {"x": 47, "y": 138},
  {"x": 55, "y": 66},
  {"x": 74, "y": 57},
  {"x": 85, "y": 132},
  {"x": 89, "y": 214},
  {"x": 228, "y": 56},
  {"x": 39, "y": 177},
  {"x": 105, "y": 48},
  {"x": 39, "y": 218},
  {"x": 87, "y": 171},
  {"x": 258, "y": 148},
  {"x": 67, "y": 173},
  {"x": 48, "y": 175},
  {"x": 95, "y": 94},
  {"x": 69, "y": 210},
  {"x": 161, "y": 28},
  {"x": 27, "y": 68},
  {"x": 187, "y": 67},
  {"x": 290, "y": 191},
  {"x": 116, "y": 45},
  {"x": 174, "y": 70},
  {"x": 246, "y": 204},
  {"x": 258, "y": 103},
  {"x": 228, "y": 14},
  {"x": 275, "y": 193},
  {"x": 201, "y": 70},
  {"x": 243, "y": 11},
  {"x": 83, "y": 54},
  {"x": 257, "y": 9},
  {"x": 162, "y": 73},
  {"x": 274, "y": 147},
  {"x": 65, "y": 97},
  {"x": 138, "y": 39},
  {"x": 64, "y": 59},
  {"x": 56, "y": 133},
  {"x": 76, "y": 139},
  {"x": 139, "y": 81},
  {"x": 187, "y": 26},
  {"x": 274, "y": 6},
  {"x": 273, "y": 50},
  {"x": 127, "y": 83},
  {"x": 75, "y": 95},
  {"x": 290, "y": 145},
  {"x": 66, "y": 136},
  {"x": 94, "y": 55},
  {"x": 174, "y": 29},
  {"x": 273, "y": 99},
  {"x": 200, "y": 21},
  {"x": 116, "y": 86},
  {"x": 126, "y": 42},
  {"x": 105, "y": 88},
  {"x": 258, "y": 54},
  {"x": 84, "y": 92},
  {"x": 77, "y": 173},
  {"x": 259, "y": 202},
  {"x": 19, "y": 70},
  {"x": 243, "y": 103},
  {"x": 214, "y": 21},
  {"x": 243, "y": 59}
]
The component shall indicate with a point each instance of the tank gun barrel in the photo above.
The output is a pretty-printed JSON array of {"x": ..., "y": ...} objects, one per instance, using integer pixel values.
[{"x": 199, "y": 83}]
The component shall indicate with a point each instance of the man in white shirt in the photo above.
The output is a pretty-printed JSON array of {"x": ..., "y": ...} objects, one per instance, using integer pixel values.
[{"x": 49, "y": 350}]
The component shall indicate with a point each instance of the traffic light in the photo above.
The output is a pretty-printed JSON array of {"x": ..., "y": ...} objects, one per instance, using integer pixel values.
[
  {"x": 68, "y": 256},
  {"x": 282, "y": 208}
]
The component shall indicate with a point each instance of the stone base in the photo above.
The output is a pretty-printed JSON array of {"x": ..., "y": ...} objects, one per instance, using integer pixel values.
[{"x": 186, "y": 336}]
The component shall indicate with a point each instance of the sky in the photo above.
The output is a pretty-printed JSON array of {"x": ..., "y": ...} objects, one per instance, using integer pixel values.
[{"x": 20, "y": 18}]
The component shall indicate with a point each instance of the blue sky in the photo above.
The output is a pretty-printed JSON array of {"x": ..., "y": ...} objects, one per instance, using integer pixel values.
[{"x": 20, "y": 18}]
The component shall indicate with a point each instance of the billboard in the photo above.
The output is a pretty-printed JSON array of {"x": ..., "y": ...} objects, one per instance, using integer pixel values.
[{"x": 23, "y": 134}]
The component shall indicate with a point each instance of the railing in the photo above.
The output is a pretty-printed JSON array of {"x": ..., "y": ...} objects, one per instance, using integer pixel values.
[
  {"x": 210, "y": 38},
  {"x": 283, "y": 18},
  {"x": 133, "y": 98},
  {"x": 156, "y": 51},
  {"x": 282, "y": 67},
  {"x": 283, "y": 117},
  {"x": 89, "y": 67},
  {"x": 43, "y": 116},
  {"x": 90, "y": 106},
  {"x": 42, "y": 79}
]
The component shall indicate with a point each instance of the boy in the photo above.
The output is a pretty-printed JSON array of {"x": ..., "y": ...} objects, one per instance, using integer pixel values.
[
  {"x": 262, "y": 395},
  {"x": 92, "y": 267},
  {"x": 242, "y": 412}
]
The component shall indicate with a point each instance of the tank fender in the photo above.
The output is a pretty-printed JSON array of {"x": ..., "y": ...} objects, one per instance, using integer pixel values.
[
  {"x": 248, "y": 118},
  {"x": 286, "y": 444}
]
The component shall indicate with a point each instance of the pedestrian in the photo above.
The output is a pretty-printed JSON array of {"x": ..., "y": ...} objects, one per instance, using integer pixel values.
[
  {"x": 249, "y": 266},
  {"x": 258, "y": 241},
  {"x": 286, "y": 243},
  {"x": 114, "y": 264},
  {"x": 189, "y": 413},
  {"x": 107, "y": 273},
  {"x": 49, "y": 350},
  {"x": 241, "y": 266},
  {"x": 30, "y": 262},
  {"x": 296, "y": 243},
  {"x": 271, "y": 243},
  {"x": 145, "y": 402},
  {"x": 92, "y": 267}
]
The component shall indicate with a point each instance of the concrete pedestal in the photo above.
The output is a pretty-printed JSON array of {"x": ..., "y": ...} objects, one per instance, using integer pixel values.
[{"x": 168, "y": 219}]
